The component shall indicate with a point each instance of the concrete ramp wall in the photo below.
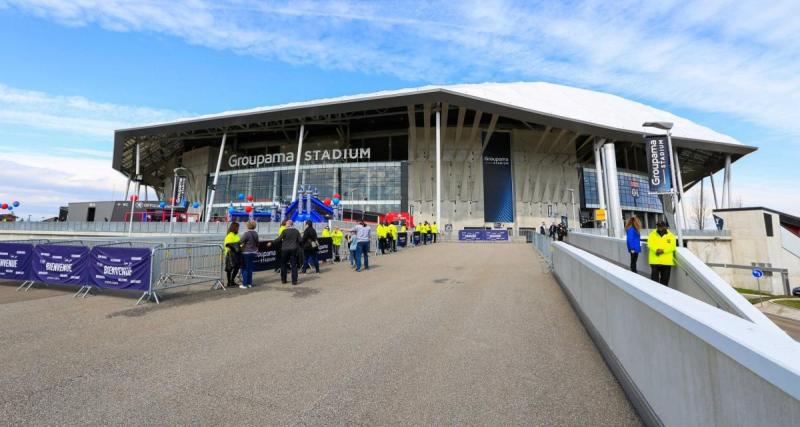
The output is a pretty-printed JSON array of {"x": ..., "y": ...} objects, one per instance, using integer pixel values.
[
  {"x": 681, "y": 361},
  {"x": 689, "y": 276}
]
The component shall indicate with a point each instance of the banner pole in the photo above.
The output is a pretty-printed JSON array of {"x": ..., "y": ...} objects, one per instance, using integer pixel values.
[
  {"x": 216, "y": 178},
  {"x": 675, "y": 206},
  {"x": 133, "y": 202},
  {"x": 297, "y": 162},
  {"x": 172, "y": 205}
]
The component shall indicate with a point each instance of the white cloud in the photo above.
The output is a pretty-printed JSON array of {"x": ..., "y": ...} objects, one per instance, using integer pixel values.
[{"x": 719, "y": 55}]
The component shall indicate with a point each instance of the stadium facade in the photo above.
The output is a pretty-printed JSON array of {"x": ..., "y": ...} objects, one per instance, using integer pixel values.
[{"x": 467, "y": 155}]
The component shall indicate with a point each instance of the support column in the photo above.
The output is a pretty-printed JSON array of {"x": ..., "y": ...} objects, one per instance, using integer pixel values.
[
  {"x": 598, "y": 167},
  {"x": 726, "y": 190},
  {"x": 133, "y": 202},
  {"x": 297, "y": 163},
  {"x": 128, "y": 188},
  {"x": 713, "y": 190},
  {"x": 216, "y": 178},
  {"x": 438, "y": 168},
  {"x": 615, "y": 228},
  {"x": 681, "y": 205}
]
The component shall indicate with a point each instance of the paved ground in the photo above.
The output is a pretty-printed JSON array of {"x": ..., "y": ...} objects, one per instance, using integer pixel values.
[
  {"x": 452, "y": 334},
  {"x": 791, "y": 326}
]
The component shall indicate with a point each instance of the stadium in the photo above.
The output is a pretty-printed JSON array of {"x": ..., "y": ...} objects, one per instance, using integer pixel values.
[{"x": 511, "y": 155}]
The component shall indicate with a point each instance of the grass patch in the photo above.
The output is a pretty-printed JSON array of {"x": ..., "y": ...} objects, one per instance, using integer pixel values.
[
  {"x": 793, "y": 303},
  {"x": 751, "y": 291}
]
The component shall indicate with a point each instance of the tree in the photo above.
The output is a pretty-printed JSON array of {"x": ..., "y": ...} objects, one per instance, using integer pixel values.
[{"x": 699, "y": 209}]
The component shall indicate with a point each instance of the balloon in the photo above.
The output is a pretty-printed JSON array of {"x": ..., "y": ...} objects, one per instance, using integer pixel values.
[
  {"x": 16, "y": 204},
  {"x": 327, "y": 201},
  {"x": 11, "y": 208},
  {"x": 248, "y": 209},
  {"x": 231, "y": 210},
  {"x": 337, "y": 196},
  {"x": 336, "y": 201},
  {"x": 134, "y": 198},
  {"x": 241, "y": 196},
  {"x": 4, "y": 206},
  {"x": 249, "y": 197},
  {"x": 196, "y": 205},
  {"x": 162, "y": 204}
]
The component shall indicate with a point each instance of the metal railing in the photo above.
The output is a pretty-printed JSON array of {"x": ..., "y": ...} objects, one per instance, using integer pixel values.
[
  {"x": 543, "y": 244},
  {"x": 117, "y": 227},
  {"x": 184, "y": 265}
]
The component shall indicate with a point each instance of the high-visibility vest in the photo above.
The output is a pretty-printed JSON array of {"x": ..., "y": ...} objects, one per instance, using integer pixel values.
[
  {"x": 667, "y": 243},
  {"x": 379, "y": 230},
  {"x": 337, "y": 237},
  {"x": 434, "y": 228},
  {"x": 326, "y": 232},
  {"x": 393, "y": 231},
  {"x": 280, "y": 230},
  {"x": 403, "y": 229}
]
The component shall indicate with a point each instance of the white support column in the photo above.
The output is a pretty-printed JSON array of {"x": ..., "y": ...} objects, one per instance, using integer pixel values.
[
  {"x": 128, "y": 188},
  {"x": 133, "y": 202},
  {"x": 677, "y": 211},
  {"x": 727, "y": 190},
  {"x": 615, "y": 228},
  {"x": 598, "y": 167},
  {"x": 713, "y": 190},
  {"x": 216, "y": 177},
  {"x": 681, "y": 204},
  {"x": 297, "y": 163},
  {"x": 438, "y": 168}
]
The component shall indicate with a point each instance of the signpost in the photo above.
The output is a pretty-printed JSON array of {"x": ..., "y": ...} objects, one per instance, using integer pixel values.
[{"x": 758, "y": 274}]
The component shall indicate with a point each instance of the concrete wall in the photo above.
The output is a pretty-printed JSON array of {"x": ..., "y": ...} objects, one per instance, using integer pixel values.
[
  {"x": 690, "y": 276},
  {"x": 78, "y": 211},
  {"x": 681, "y": 362},
  {"x": 543, "y": 165}
]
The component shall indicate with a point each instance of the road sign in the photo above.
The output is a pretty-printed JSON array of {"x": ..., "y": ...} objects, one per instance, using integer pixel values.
[
  {"x": 758, "y": 273},
  {"x": 599, "y": 214}
]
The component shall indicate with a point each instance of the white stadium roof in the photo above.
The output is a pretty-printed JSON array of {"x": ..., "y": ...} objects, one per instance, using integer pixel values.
[{"x": 565, "y": 102}]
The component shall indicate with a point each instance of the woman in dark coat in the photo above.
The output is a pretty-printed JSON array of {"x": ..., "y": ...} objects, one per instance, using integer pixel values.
[{"x": 310, "y": 247}]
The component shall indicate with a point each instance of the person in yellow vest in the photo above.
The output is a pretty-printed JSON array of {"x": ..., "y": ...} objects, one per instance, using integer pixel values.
[
  {"x": 434, "y": 231},
  {"x": 282, "y": 227},
  {"x": 337, "y": 236},
  {"x": 326, "y": 232},
  {"x": 424, "y": 232},
  {"x": 661, "y": 244},
  {"x": 233, "y": 253},
  {"x": 393, "y": 233},
  {"x": 381, "y": 231},
  {"x": 404, "y": 231}
]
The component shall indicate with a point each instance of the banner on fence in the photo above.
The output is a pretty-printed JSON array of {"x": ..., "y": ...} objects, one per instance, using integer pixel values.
[
  {"x": 402, "y": 240},
  {"x": 266, "y": 258},
  {"x": 325, "y": 248},
  {"x": 470, "y": 235},
  {"x": 60, "y": 265},
  {"x": 120, "y": 268},
  {"x": 15, "y": 261},
  {"x": 482, "y": 235},
  {"x": 416, "y": 238},
  {"x": 495, "y": 235}
]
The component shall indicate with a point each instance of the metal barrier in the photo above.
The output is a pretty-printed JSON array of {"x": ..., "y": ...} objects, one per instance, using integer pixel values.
[
  {"x": 542, "y": 243},
  {"x": 118, "y": 227},
  {"x": 183, "y": 265}
]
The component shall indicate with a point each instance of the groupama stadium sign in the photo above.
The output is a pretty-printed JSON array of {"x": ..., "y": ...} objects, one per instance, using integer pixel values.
[{"x": 331, "y": 155}]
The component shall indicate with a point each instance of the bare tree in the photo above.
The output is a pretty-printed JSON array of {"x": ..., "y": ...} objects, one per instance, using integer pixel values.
[{"x": 699, "y": 208}]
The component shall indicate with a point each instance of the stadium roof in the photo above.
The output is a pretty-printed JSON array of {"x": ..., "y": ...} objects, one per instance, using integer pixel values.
[{"x": 582, "y": 111}]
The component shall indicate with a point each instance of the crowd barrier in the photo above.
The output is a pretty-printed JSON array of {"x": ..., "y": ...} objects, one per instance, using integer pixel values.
[{"x": 147, "y": 267}]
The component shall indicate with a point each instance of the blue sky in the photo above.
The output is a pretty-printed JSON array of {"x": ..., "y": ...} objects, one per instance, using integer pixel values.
[{"x": 72, "y": 72}]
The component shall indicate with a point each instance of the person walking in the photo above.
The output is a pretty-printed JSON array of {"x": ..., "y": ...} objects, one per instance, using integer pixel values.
[
  {"x": 249, "y": 244},
  {"x": 362, "y": 249},
  {"x": 561, "y": 232},
  {"x": 542, "y": 229},
  {"x": 289, "y": 242},
  {"x": 552, "y": 231},
  {"x": 233, "y": 253},
  {"x": 434, "y": 231},
  {"x": 633, "y": 238},
  {"x": 662, "y": 245},
  {"x": 352, "y": 246},
  {"x": 336, "y": 240},
  {"x": 310, "y": 247}
]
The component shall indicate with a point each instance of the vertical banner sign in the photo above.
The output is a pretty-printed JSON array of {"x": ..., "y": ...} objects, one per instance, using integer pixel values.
[
  {"x": 659, "y": 164},
  {"x": 180, "y": 191},
  {"x": 325, "y": 250},
  {"x": 402, "y": 240},
  {"x": 60, "y": 265},
  {"x": 498, "y": 191},
  {"x": 120, "y": 268},
  {"x": 15, "y": 261}
]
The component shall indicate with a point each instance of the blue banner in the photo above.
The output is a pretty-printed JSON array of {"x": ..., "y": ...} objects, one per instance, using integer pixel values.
[
  {"x": 659, "y": 164},
  {"x": 495, "y": 235},
  {"x": 470, "y": 235},
  {"x": 498, "y": 190},
  {"x": 482, "y": 235},
  {"x": 60, "y": 265},
  {"x": 266, "y": 258},
  {"x": 15, "y": 261},
  {"x": 402, "y": 240},
  {"x": 120, "y": 268},
  {"x": 325, "y": 250}
]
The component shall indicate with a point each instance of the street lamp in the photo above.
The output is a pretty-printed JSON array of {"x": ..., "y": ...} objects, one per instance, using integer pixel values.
[
  {"x": 574, "y": 215},
  {"x": 667, "y": 126}
]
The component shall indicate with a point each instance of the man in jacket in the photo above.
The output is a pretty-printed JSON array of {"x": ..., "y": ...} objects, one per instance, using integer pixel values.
[
  {"x": 393, "y": 236},
  {"x": 661, "y": 244},
  {"x": 434, "y": 231},
  {"x": 337, "y": 236},
  {"x": 381, "y": 231},
  {"x": 289, "y": 243}
]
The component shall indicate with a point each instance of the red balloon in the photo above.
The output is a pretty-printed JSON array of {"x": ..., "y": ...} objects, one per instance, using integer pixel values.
[
  {"x": 134, "y": 198},
  {"x": 327, "y": 201},
  {"x": 4, "y": 205},
  {"x": 337, "y": 196},
  {"x": 248, "y": 209},
  {"x": 250, "y": 197}
]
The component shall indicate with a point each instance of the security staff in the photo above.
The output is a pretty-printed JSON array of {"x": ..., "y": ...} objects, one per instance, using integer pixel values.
[
  {"x": 661, "y": 244},
  {"x": 434, "y": 231},
  {"x": 282, "y": 227},
  {"x": 381, "y": 231},
  {"x": 326, "y": 232},
  {"x": 393, "y": 233},
  {"x": 424, "y": 232},
  {"x": 337, "y": 237}
]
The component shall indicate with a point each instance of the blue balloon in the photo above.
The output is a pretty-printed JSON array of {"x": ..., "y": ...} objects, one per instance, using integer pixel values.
[
  {"x": 336, "y": 201},
  {"x": 196, "y": 205},
  {"x": 16, "y": 204},
  {"x": 162, "y": 204},
  {"x": 11, "y": 208},
  {"x": 241, "y": 196},
  {"x": 231, "y": 210}
]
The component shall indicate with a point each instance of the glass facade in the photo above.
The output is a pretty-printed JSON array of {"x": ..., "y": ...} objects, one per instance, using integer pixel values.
[
  {"x": 634, "y": 191},
  {"x": 374, "y": 187}
]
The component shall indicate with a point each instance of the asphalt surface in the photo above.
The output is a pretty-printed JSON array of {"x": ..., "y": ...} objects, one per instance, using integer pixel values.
[
  {"x": 791, "y": 326},
  {"x": 476, "y": 334}
]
